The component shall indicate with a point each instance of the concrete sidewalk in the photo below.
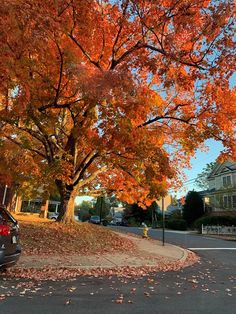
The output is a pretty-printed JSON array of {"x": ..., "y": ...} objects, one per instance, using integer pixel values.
[{"x": 148, "y": 252}]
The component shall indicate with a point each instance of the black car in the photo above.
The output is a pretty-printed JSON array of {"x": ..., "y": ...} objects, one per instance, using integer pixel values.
[{"x": 9, "y": 239}]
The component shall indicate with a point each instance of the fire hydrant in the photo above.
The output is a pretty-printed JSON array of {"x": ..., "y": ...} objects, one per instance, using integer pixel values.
[{"x": 145, "y": 230}]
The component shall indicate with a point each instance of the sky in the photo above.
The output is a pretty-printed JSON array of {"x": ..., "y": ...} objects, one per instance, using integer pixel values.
[{"x": 199, "y": 162}]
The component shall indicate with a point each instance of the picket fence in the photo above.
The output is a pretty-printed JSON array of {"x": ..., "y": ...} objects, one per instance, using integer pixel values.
[{"x": 219, "y": 230}]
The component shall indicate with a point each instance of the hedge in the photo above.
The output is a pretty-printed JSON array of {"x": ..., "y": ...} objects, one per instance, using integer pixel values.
[
  {"x": 176, "y": 224},
  {"x": 215, "y": 220}
]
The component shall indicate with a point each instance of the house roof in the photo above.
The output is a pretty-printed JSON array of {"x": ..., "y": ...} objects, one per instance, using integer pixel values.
[{"x": 223, "y": 168}]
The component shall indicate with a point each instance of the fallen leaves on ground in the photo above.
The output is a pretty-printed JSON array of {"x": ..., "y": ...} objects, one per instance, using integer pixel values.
[
  {"x": 60, "y": 273},
  {"x": 52, "y": 238}
]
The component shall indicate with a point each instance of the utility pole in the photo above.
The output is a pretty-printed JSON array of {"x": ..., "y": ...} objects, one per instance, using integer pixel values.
[
  {"x": 101, "y": 208},
  {"x": 163, "y": 221},
  {"x": 4, "y": 195}
]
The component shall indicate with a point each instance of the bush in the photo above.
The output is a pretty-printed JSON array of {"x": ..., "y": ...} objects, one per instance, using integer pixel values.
[
  {"x": 215, "y": 220},
  {"x": 176, "y": 214},
  {"x": 132, "y": 222},
  {"x": 176, "y": 224}
]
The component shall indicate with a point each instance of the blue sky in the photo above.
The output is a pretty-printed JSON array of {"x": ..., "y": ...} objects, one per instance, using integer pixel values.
[{"x": 199, "y": 162}]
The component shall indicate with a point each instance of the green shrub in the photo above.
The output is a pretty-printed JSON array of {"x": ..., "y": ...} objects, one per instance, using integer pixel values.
[
  {"x": 214, "y": 220},
  {"x": 176, "y": 224},
  {"x": 176, "y": 214},
  {"x": 132, "y": 222}
]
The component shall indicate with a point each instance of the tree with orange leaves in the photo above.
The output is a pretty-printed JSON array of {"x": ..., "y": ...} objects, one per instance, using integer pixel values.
[{"x": 116, "y": 96}]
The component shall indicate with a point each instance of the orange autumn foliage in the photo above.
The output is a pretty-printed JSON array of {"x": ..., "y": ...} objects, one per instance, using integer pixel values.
[{"x": 116, "y": 96}]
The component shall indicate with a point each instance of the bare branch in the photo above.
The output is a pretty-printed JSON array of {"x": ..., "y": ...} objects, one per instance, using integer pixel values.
[
  {"x": 150, "y": 121},
  {"x": 86, "y": 54},
  {"x": 60, "y": 74}
]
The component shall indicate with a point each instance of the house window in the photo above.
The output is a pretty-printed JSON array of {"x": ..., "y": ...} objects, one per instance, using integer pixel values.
[
  {"x": 226, "y": 180},
  {"x": 234, "y": 201},
  {"x": 227, "y": 201}
]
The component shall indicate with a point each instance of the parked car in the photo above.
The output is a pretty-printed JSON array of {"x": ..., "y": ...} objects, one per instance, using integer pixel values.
[
  {"x": 10, "y": 248},
  {"x": 96, "y": 220},
  {"x": 120, "y": 222},
  {"x": 53, "y": 216}
]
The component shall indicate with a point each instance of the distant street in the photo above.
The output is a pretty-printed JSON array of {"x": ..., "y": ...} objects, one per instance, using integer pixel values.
[
  {"x": 207, "y": 287},
  {"x": 183, "y": 238}
]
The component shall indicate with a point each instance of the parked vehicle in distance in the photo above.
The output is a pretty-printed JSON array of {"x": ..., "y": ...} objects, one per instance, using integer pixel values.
[
  {"x": 96, "y": 220},
  {"x": 10, "y": 248},
  {"x": 122, "y": 222},
  {"x": 54, "y": 216}
]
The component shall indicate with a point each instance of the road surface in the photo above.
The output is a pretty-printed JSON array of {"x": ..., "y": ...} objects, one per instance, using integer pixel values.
[{"x": 207, "y": 287}]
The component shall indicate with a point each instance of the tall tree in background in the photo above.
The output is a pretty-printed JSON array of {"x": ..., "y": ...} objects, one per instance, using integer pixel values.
[
  {"x": 201, "y": 180},
  {"x": 115, "y": 95},
  {"x": 150, "y": 214},
  {"x": 193, "y": 207},
  {"x": 101, "y": 207}
]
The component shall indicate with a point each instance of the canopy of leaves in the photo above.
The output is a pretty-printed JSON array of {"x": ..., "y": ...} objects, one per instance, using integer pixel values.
[{"x": 115, "y": 95}]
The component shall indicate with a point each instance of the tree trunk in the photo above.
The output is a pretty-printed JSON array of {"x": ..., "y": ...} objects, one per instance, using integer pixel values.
[
  {"x": 44, "y": 209},
  {"x": 67, "y": 207}
]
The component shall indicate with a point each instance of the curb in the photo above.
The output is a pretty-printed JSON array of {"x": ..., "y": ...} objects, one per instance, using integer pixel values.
[{"x": 184, "y": 251}]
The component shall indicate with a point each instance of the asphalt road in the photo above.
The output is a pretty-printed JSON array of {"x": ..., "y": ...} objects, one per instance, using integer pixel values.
[{"x": 207, "y": 287}]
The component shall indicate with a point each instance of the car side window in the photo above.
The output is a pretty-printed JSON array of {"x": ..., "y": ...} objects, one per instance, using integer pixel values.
[{"x": 4, "y": 218}]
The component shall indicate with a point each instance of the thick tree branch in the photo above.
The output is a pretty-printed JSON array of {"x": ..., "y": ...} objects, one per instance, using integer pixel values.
[
  {"x": 60, "y": 74},
  {"x": 48, "y": 142},
  {"x": 21, "y": 145},
  {"x": 86, "y": 54},
  {"x": 121, "y": 19},
  {"x": 90, "y": 178},
  {"x": 84, "y": 165},
  {"x": 59, "y": 106}
]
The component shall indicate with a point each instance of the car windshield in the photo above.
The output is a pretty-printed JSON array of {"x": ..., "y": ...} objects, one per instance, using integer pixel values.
[{"x": 95, "y": 217}]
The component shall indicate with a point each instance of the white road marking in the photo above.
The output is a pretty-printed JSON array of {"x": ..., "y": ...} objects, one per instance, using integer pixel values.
[{"x": 211, "y": 248}]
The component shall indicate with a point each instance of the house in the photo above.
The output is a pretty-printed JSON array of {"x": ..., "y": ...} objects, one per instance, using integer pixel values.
[
  {"x": 117, "y": 214},
  {"x": 221, "y": 193}
]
